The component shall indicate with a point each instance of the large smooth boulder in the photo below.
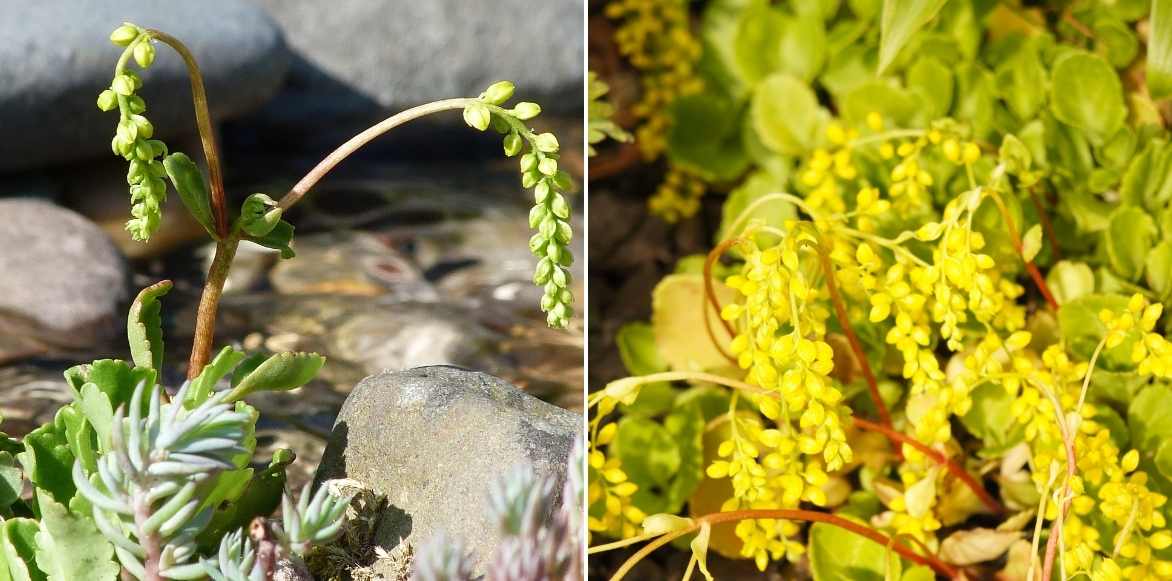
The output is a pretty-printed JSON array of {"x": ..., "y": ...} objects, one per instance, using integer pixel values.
[
  {"x": 56, "y": 57},
  {"x": 399, "y": 53},
  {"x": 64, "y": 283},
  {"x": 434, "y": 439}
]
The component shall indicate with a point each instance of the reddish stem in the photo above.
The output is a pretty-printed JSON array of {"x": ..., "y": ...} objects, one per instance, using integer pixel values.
[
  {"x": 1047, "y": 225},
  {"x": 860, "y": 529},
  {"x": 955, "y": 469},
  {"x": 1031, "y": 268},
  {"x": 856, "y": 345},
  {"x": 710, "y": 297}
]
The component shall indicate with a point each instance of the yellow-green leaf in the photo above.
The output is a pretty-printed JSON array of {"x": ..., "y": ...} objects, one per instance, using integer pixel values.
[
  {"x": 902, "y": 19},
  {"x": 1159, "y": 71}
]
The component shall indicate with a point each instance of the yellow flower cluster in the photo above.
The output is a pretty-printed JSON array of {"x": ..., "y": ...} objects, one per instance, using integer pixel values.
[
  {"x": 678, "y": 197},
  {"x": 656, "y": 37},
  {"x": 609, "y": 489},
  {"x": 1110, "y": 494},
  {"x": 782, "y": 347}
]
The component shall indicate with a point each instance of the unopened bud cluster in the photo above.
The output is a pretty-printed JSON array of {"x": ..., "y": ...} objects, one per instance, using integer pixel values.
[
  {"x": 133, "y": 136},
  {"x": 550, "y": 215}
]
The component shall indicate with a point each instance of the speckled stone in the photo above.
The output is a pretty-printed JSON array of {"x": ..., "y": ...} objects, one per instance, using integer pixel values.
[{"x": 433, "y": 439}]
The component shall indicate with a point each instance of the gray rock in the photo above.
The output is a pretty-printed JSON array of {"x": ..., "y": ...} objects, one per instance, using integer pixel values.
[
  {"x": 434, "y": 439},
  {"x": 56, "y": 57},
  {"x": 399, "y": 53},
  {"x": 64, "y": 282}
]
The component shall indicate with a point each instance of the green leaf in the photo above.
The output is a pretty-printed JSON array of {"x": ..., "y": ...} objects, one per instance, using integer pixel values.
[
  {"x": 279, "y": 238},
  {"x": 281, "y": 372},
  {"x": 188, "y": 181},
  {"x": 1159, "y": 70},
  {"x": 114, "y": 377},
  {"x": 11, "y": 481},
  {"x": 901, "y": 19},
  {"x": 686, "y": 425},
  {"x": 678, "y": 321},
  {"x": 803, "y": 45},
  {"x": 1115, "y": 41},
  {"x": 838, "y": 555},
  {"x": 1158, "y": 269},
  {"x": 48, "y": 459},
  {"x": 1021, "y": 80},
  {"x": 991, "y": 418},
  {"x": 897, "y": 105},
  {"x": 1070, "y": 280},
  {"x": 1086, "y": 94},
  {"x": 1150, "y": 418},
  {"x": 70, "y": 547},
  {"x": 98, "y": 411},
  {"x": 144, "y": 326},
  {"x": 18, "y": 546},
  {"x": 769, "y": 213},
  {"x": 705, "y": 137},
  {"x": 757, "y": 44},
  {"x": 1081, "y": 328},
  {"x": 252, "y": 497},
  {"x": 650, "y": 456},
  {"x": 786, "y": 115},
  {"x": 636, "y": 343},
  {"x": 934, "y": 83},
  {"x": 203, "y": 385},
  {"x": 1031, "y": 243},
  {"x": 1129, "y": 238},
  {"x": 1146, "y": 183}
]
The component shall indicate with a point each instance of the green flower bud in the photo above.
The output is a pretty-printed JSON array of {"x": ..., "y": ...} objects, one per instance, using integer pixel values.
[
  {"x": 545, "y": 268},
  {"x": 560, "y": 277},
  {"x": 135, "y": 104},
  {"x": 541, "y": 192},
  {"x": 156, "y": 169},
  {"x": 560, "y": 207},
  {"x": 562, "y": 180},
  {"x": 136, "y": 173},
  {"x": 499, "y": 92},
  {"x": 127, "y": 131},
  {"x": 548, "y": 227},
  {"x": 477, "y": 116},
  {"x": 143, "y": 126},
  {"x": 124, "y": 35},
  {"x": 548, "y": 166},
  {"x": 143, "y": 150},
  {"x": 537, "y": 243},
  {"x": 159, "y": 147},
  {"x": 530, "y": 179},
  {"x": 546, "y": 143},
  {"x": 553, "y": 252},
  {"x": 123, "y": 85},
  {"x": 513, "y": 144},
  {"x": 548, "y": 302},
  {"x": 526, "y": 110},
  {"x": 564, "y": 233},
  {"x": 258, "y": 215},
  {"x": 107, "y": 100},
  {"x": 536, "y": 215},
  {"x": 134, "y": 78},
  {"x": 144, "y": 53},
  {"x": 528, "y": 162}
]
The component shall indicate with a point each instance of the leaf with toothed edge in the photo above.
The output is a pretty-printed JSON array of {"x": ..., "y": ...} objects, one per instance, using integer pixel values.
[
  {"x": 70, "y": 547},
  {"x": 144, "y": 326},
  {"x": 18, "y": 548},
  {"x": 203, "y": 385}
]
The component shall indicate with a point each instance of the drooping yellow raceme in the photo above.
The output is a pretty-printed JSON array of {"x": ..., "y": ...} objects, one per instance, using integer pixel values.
[{"x": 610, "y": 508}]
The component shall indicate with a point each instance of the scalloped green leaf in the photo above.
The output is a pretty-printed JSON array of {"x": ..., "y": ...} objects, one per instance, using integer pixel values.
[
  {"x": 193, "y": 192},
  {"x": 48, "y": 458},
  {"x": 18, "y": 546},
  {"x": 1129, "y": 238},
  {"x": 1085, "y": 93},
  {"x": 786, "y": 115},
  {"x": 281, "y": 372},
  {"x": 98, "y": 411},
  {"x": 900, "y": 20},
  {"x": 70, "y": 547},
  {"x": 705, "y": 137},
  {"x": 144, "y": 326}
]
